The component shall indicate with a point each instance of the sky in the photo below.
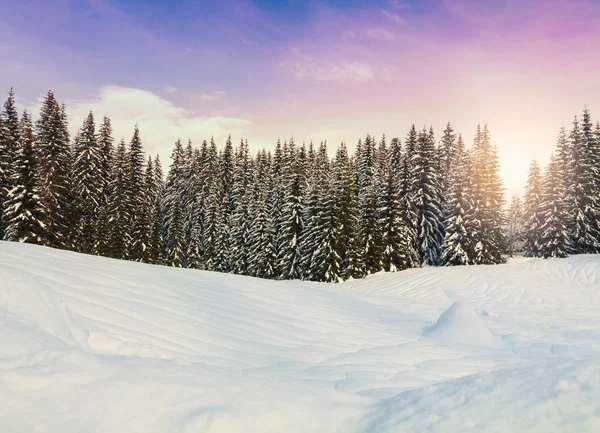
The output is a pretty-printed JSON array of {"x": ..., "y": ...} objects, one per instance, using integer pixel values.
[{"x": 316, "y": 70}]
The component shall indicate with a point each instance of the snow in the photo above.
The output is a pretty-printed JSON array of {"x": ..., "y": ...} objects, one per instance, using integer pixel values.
[{"x": 99, "y": 345}]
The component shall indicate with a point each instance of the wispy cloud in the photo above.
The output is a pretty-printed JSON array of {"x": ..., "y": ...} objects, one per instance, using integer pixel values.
[
  {"x": 215, "y": 95},
  {"x": 171, "y": 89},
  {"x": 161, "y": 122}
]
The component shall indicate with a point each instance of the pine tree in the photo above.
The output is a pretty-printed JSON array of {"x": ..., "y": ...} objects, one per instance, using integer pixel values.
[
  {"x": 141, "y": 246},
  {"x": 262, "y": 254},
  {"x": 139, "y": 221},
  {"x": 24, "y": 211},
  {"x": 581, "y": 194},
  {"x": 409, "y": 195},
  {"x": 9, "y": 154},
  {"x": 458, "y": 244},
  {"x": 347, "y": 205},
  {"x": 515, "y": 226},
  {"x": 554, "y": 238},
  {"x": 52, "y": 142},
  {"x": 369, "y": 228},
  {"x": 430, "y": 216},
  {"x": 175, "y": 237},
  {"x": 532, "y": 212},
  {"x": 291, "y": 222},
  {"x": 106, "y": 154},
  {"x": 88, "y": 185},
  {"x": 118, "y": 240},
  {"x": 240, "y": 221}
]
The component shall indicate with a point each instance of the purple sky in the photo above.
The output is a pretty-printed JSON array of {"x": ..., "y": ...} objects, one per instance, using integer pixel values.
[{"x": 332, "y": 70}]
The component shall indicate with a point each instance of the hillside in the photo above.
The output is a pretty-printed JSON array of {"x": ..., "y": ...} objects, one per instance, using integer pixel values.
[{"x": 90, "y": 344}]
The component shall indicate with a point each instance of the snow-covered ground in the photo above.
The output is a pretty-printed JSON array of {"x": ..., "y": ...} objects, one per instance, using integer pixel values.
[{"x": 90, "y": 345}]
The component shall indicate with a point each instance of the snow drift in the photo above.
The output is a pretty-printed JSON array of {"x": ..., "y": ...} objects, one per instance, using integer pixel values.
[{"x": 98, "y": 345}]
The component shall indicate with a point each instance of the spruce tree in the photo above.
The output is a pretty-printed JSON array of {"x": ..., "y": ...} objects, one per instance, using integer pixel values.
[
  {"x": 262, "y": 255},
  {"x": 291, "y": 222},
  {"x": 458, "y": 245},
  {"x": 87, "y": 185},
  {"x": 581, "y": 195},
  {"x": 430, "y": 216},
  {"x": 9, "y": 154},
  {"x": 532, "y": 211},
  {"x": 409, "y": 195},
  {"x": 24, "y": 212},
  {"x": 118, "y": 240},
  {"x": 515, "y": 227},
  {"x": 55, "y": 159},
  {"x": 240, "y": 222},
  {"x": 139, "y": 224},
  {"x": 175, "y": 237},
  {"x": 554, "y": 238}
]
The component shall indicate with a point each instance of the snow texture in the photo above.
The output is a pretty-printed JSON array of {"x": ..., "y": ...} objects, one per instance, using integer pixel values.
[{"x": 96, "y": 345}]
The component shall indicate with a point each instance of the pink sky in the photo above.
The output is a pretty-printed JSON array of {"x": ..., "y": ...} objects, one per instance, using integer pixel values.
[{"x": 323, "y": 72}]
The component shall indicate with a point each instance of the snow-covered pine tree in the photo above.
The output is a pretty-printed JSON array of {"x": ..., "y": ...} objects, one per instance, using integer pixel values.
[
  {"x": 142, "y": 248},
  {"x": 55, "y": 159},
  {"x": 262, "y": 255},
  {"x": 515, "y": 226},
  {"x": 323, "y": 261},
  {"x": 447, "y": 153},
  {"x": 173, "y": 193},
  {"x": 369, "y": 227},
  {"x": 458, "y": 243},
  {"x": 395, "y": 239},
  {"x": 581, "y": 195},
  {"x": 214, "y": 230},
  {"x": 293, "y": 181},
  {"x": 347, "y": 204},
  {"x": 554, "y": 237},
  {"x": 495, "y": 217},
  {"x": 488, "y": 201},
  {"x": 88, "y": 185},
  {"x": 532, "y": 212},
  {"x": 118, "y": 207},
  {"x": 240, "y": 222},
  {"x": 106, "y": 154},
  {"x": 430, "y": 216},
  {"x": 9, "y": 153},
  {"x": 175, "y": 237},
  {"x": 409, "y": 194},
  {"x": 24, "y": 211},
  {"x": 155, "y": 253},
  {"x": 139, "y": 223}
]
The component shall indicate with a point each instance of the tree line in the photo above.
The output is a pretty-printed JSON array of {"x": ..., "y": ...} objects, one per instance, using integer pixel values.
[
  {"x": 293, "y": 213},
  {"x": 560, "y": 211}
]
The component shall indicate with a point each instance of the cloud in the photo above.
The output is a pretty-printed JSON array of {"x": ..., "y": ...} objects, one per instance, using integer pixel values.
[
  {"x": 210, "y": 96},
  {"x": 327, "y": 71},
  {"x": 160, "y": 121},
  {"x": 171, "y": 89}
]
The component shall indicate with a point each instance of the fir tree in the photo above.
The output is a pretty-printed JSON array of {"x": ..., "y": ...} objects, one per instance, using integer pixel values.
[
  {"x": 515, "y": 227},
  {"x": 88, "y": 185},
  {"x": 430, "y": 215},
  {"x": 532, "y": 211},
  {"x": 139, "y": 224},
  {"x": 240, "y": 222},
  {"x": 52, "y": 142},
  {"x": 581, "y": 195},
  {"x": 458, "y": 244},
  {"x": 175, "y": 237},
  {"x": 24, "y": 211},
  {"x": 9, "y": 154},
  {"x": 118, "y": 240},
  {"x": 554, "y": 238}
]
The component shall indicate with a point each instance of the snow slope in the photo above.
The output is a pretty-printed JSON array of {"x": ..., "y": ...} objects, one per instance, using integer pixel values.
[{"x": 89, "y": 344}]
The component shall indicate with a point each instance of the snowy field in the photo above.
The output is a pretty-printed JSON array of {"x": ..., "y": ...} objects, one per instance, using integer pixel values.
[{"x": 89, "y": 344}]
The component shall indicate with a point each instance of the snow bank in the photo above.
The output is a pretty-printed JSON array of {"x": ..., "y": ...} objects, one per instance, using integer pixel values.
[
  {"x": 98, "y": 345},
  {"x": 460, "y": 324}
]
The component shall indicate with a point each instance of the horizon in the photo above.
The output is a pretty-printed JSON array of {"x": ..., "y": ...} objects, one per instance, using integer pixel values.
[{"x": 317, "y": 70}]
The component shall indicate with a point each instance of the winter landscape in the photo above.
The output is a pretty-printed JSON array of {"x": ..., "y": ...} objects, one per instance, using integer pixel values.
[
  {"x": 329, "y": 216},
  {"x": 128, "y": 347}
]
